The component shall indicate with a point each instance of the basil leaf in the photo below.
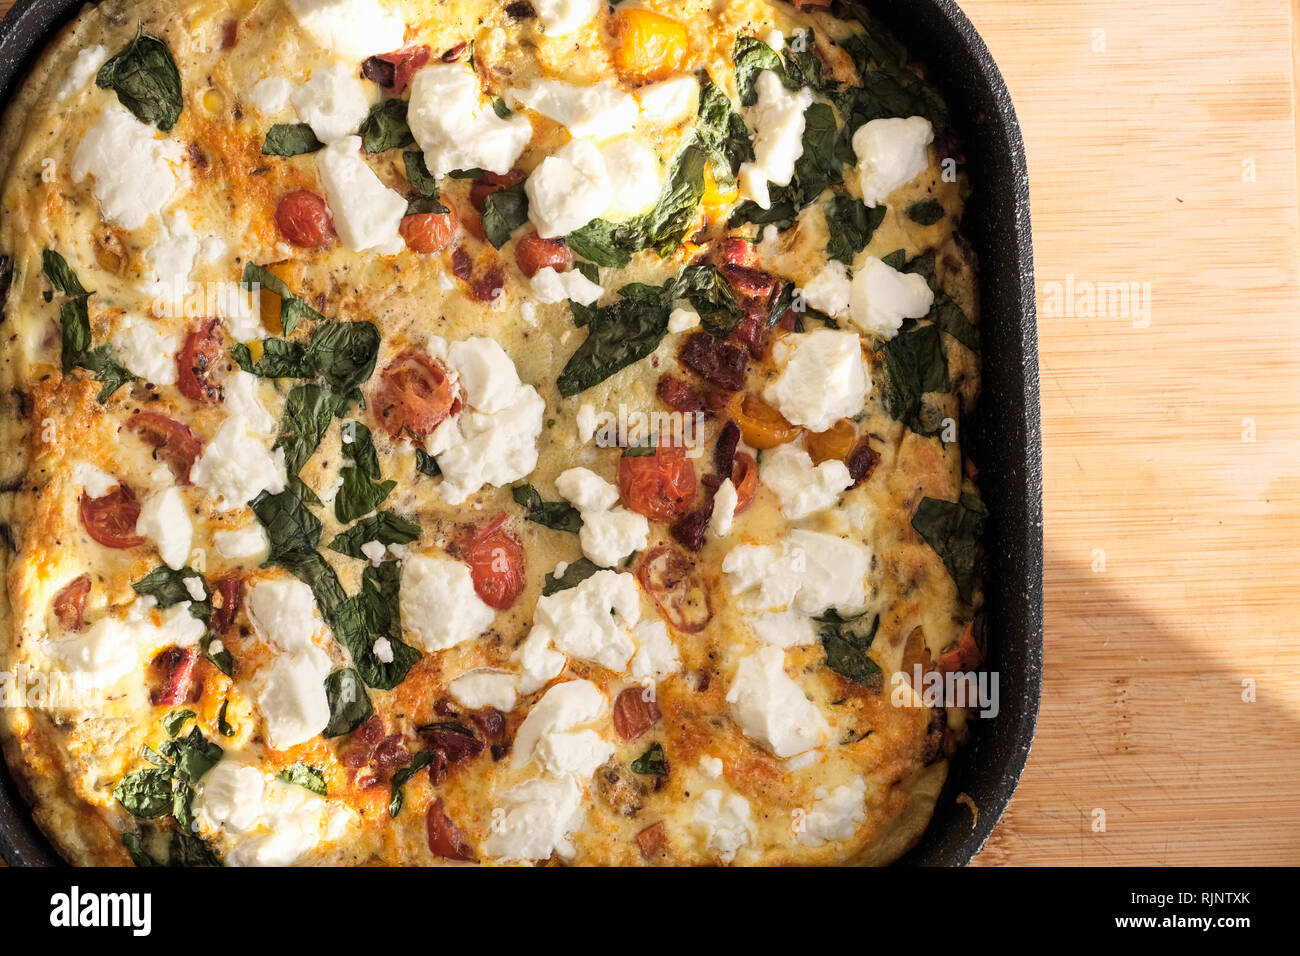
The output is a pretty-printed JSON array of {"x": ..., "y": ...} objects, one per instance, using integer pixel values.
[
  {"x": 559, "y": 515},
  {"x": 577, "y": 572},
  {"x": 850, "y": 224},
  {"x": 146, "y": 793},
  {"x": 751, "y": 57},
  {"x": 846, "y": 642},
  {"x": 146, "y": 81},
  {"x": 222, "y": 660},
  {"x": 60, "y": 274},
  {"x": 710, "y": 296},
  {"x": 926, "y": 212},
  {"x": 386, "y": 128},
  {"x": 192, "y": 756},
  {"x": 223, "y": 726},
  {"x": 418, "y": 175},
  {"x": 953, "y": 529},
  {"x": 426, "y": 464},
  {"x": 403, "y": 776},
  {"x": 293, "y": 308},
  {"x": 915, "y": 364},
  {"x": 651, "y": 762},
  {"x": 175, "y": 720},
  {"x": 349, "y": 705},
  {"x": 385, "y": 527},
  {"x": 618, "y": 335},
  {"x": 167, "y": 587},
  {"x": 305, "y": 776},
  {"x": 423, "y": 206},
  {"x": 504, "y": 211},
  {"x": 290, "y": 139}
]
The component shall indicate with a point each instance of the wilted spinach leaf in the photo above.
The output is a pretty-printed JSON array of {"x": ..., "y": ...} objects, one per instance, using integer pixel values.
[
  {"x": 559, "y": 515},
  {"x": 651, "y": 762},
  {"x": 851, "y": 225},
  {"x": 349, "y": 704},
  {"x": 146, "y": 81},
  {"x": 384, "y": 527},
  {"x": 953, "y": 529},
  {"x": 504, "y": 211},
  {"x": 577, "y": 572},
  {"x": 385, "y": 128},
  {"x": 290, "y": 139},
  {"x": 305, "y": 776}
]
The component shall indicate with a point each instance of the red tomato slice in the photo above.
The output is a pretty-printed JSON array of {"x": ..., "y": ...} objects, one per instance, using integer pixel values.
[
  {"x": 661, "y": 485},
  {"x": 670, "y": 578},
  {"x": 744, "y": 475},
  {"x": 533, "y": 254},
  {"x": 304, "y": 219},
  {"x": 633, "y": 714},
  {"x": 445, "y": 838},
  {"x": 110, "y": 519},
  {"x": 174, "y": 443},
  {"x": 430, "y": 231},
  {"x": 415, "y": 395},
  {"x": 70, "y": 603},
  {"x": 196, "y": 363},
  {"x": 496, "y": 562}
]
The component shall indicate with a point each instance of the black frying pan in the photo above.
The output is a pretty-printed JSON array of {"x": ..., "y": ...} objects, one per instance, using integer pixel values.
[{"x": 1006, "y": 446}]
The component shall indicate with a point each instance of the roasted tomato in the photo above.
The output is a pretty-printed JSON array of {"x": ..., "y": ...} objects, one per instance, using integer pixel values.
[
  {"x": 196, "y": 363},
  {"x": 836, "y": 443},
  {"x": 967, "y": 653},
  {"x": 304, "y": 219},
  {"x": 70, "y": 603},
  {"x": 171, "y": 676},
  {"x": 415, "y": 395},
  {"x": 496, "y": 561},
  {"x": 533, "y": 254},
  {"x": 634, "y": 714},
  {"x": 489, "y": 183},
  {"x": 660, "y": 485},
  {"x": 744, "y": 475},
  {"x": 761, "y": 425},
  {"x": 670, "y": 578},
  {"x": 174, "y": 443},
  {"x": 429, "y": 232},
  {"x": 445, "y": 838},
  {"x": 110, "y": 519},
  {"x": 226, "y": 598},
  {"x": 652, "y": 839},
  {"x": 393, "y": 71}
]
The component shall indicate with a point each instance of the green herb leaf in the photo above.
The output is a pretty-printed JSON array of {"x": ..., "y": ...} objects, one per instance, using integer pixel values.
[
  {"x": 362, "y": 491},
  {"x": 386, "y": 128},
  {"x": 293, "y": 308},
  {"x": 819, "y": 168},
  {"x": 426, "y": 464},
  {"x": 190, "y": 850},
  {"x": 403, "y": 776},
  {"x": 305, "y": 776},
  {"x": 846, "y": 642},
  {"x": 74, "y": 324},
  {"x": 222, "y": 660},
  {"x": 559, "y": 515},
  {"x": 945, "y": 313},
  {"x": 349, "y": 705},
  {"x": 915, "y": 365},
  {"x": 385, "y": 527},
  {"x": 576, "y": 572},
  {"x": 175, "y": 720},
  {"x": 146, "y": 81},
  {"x": 146, "y": 793},
  {"x": 167, "y": 587},
  {"x": 290, "y": 139},
  {"x": 710, "y": 296},
  {"x": 926, "y": 212},
  {"x": 421, "y": 180},
  {"x": 618, "y": 335},
  {"x": 652, "y": 762},
  {"x": 850, "y": 224},
  {"x": 192, "y": 756},
  {"x": 953, "y": 529},
  {"x": 60, "y": 274},
  {"x": 308, "y": 412},
  {"x": 751, "y": 57},
  {"x": 504, "y": 211},
  {"x": 721, "y": 133},
  {"x": 280, "y": 358}
]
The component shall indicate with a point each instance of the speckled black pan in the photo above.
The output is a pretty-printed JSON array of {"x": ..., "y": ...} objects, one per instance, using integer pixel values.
[{"x": 1007, "y": 449}]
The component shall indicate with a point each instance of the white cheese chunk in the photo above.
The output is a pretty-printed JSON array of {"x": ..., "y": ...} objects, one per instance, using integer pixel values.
[
  {"x": 87, "y": 63},
  {"x": 540, "y": 816},
  {"x": 836, "y": 814},
  {"x": 669, "y": 102},
  {"x": 771, "y": 708},
  {"x": 283, "y": 612},
  {"x": 292, "y": 697},
  {"x": 172, "y": 254},
  {"x": 136, "y": 171},
  {"x": 491, "y": 449},
  {"x": 778, "y": 123},
  {"x": 236, "y": 465},
  {"x": 657, "y": 655},
  {"x": 559, "y": 17},
  {"x": 591, "y": 621},
  {"x": 788, "y": 628},
  {"x": 822, "y": 378},
  {"x": 266, "y": 822},
  {"x": 562, "y": 708},
  {"x": 248, "y": 543},
  {"x": 608, "y": 534},
  {"x": 891, "y": 153},
  {"x": 724, "y": 820},
  {"x": 802, "y": 488},
  {"x": 485, "y": 372},
  {"x": 683, "y": 318},
  {"x": 240, "y": 393},
  {"x": 165, "y": 520},
  {"x": 725, "y": 500},
  {"x": 333, "y": 101},
  {"x": 883, "y": 297},
  {"x": 94, "y": 481},
  {"x": 439, "y": 604},
  {"x": 367, "y": 213},
  {"x": 538, "y": 662},
  {"x": 383, "y": 650},
  {"x": 550, "y": 287},
  {"x": 485, "y": 688},
  {"x": 711, "y": 767},
  {"x": 270, "y": 95},
  {"x": 600, "y": 111},
  {"x": 635, "y": 175},
  {"x": 586, "y": 490},
  {"x": 194, "y": 587},
  {"x": 456, "y": 126},
  {"x": 808, "y": 570},
  {"x": 578, "y": 753},
  {"x": 568, "y": 189},
  {"x": 829, "y": 290},
  {"x": 350, "y": 29},
  {"x": 147, "y": 348}
]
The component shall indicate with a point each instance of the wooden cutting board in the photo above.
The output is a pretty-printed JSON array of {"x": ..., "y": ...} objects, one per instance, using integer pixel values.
[{"x": 1161, "y": 140}]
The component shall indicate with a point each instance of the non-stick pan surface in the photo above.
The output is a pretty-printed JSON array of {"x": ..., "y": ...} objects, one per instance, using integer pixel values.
[{"x": 1006, "y": 446}]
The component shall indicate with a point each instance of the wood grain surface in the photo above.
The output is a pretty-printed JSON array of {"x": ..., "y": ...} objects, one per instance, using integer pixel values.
[{"x": 1161, "y": 140}]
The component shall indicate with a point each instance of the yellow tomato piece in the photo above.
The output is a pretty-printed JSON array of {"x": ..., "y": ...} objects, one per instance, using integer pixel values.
[{"x": 650, "y": 47}]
